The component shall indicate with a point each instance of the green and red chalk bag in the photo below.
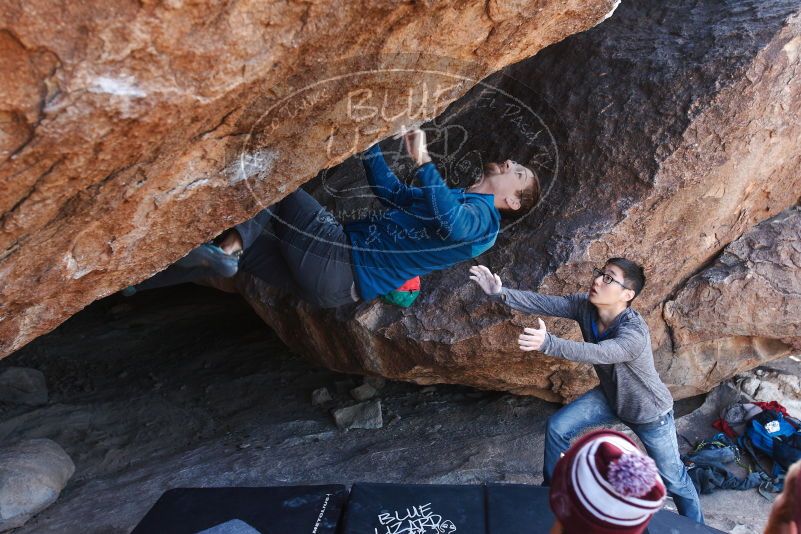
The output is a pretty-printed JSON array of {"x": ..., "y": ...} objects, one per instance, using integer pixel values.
[{"x": 405, "y": 295}]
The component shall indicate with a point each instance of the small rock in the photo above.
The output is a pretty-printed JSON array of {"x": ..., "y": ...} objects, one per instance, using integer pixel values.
[
  {"x": 429, "y": 389},
  {"x": 750, "y": 385},
  {"x": 363, "y": 392},
  {"x": 243, "y": 446},
  {"x": 394, "y": 419},
  {"x": 21, "y": 385},
  {"x": 378, "y": 382},
  {"x": 362, "y": 415},
  {"x": 790, "y": 384},
  {"x": 321, "y": 396},
  {"x": 768, "y": 391},
  {"x": 32, "y": 474}
]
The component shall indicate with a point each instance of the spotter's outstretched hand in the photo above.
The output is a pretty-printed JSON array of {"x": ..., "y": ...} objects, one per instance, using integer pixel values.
[{"x": 532, "y": 338}]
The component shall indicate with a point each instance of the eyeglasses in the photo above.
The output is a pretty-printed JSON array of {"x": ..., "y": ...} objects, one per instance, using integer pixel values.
[{"x": 607, "y": 278}]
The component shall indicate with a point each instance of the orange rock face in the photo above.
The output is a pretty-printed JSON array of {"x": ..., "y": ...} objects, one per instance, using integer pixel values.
[
  {"x": 743, "y": 309},
  {"x": 663, "y": 135},
  {"x": 132, "y": 131}
]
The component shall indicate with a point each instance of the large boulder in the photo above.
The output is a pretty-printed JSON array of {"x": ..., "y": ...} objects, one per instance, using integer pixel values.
[
  {"x": 32, "y": 475},
  {"x": 131, "y": 131},
  {"x": 743, "y": 309},
  {"x": 662, "y": 135}
]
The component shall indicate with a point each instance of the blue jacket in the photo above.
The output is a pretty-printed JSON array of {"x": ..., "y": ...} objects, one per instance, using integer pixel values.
[{"x": 425, "y": 229}]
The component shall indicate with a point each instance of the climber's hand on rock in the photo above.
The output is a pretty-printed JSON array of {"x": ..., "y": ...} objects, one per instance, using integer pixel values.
[
  {"x": 416, "y": 146},
  {"x": 489, "y": 283},
  {"x": 532, "y": 338}
]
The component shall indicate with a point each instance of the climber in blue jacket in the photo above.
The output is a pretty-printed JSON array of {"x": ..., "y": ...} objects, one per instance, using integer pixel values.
[{"x": 425, "y": 228}]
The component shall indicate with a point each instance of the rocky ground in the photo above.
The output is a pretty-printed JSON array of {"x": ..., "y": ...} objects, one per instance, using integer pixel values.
[{"x": 187, "y": 387}]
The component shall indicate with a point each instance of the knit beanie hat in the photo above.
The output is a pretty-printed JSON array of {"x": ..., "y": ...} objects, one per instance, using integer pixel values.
[{"x": 604, "y": 484}]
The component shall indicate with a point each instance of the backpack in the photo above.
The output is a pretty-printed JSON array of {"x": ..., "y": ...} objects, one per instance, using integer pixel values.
[
  {"x": 765, "y": 428},
  {"x": 787, "y": 449},
  {"x": 771, "y": 433}
]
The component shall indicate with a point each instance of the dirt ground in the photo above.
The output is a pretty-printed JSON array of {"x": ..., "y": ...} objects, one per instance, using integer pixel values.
[{"x": 187, "y": 387}]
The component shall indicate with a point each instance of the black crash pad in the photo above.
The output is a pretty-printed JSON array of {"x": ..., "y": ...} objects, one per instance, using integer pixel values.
[
  {"x": 423, "y": 509},
  {"x": 275, "y": 510},
  {"x": 370, "y": 509},
  {"x": 524, "y": 510}
]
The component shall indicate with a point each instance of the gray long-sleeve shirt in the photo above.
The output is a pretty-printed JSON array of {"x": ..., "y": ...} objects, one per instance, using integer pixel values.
[{"x": 622, "y": 355}]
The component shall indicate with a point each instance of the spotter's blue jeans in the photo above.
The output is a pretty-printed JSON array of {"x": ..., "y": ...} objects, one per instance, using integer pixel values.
[{"x": 659, "y": 437}]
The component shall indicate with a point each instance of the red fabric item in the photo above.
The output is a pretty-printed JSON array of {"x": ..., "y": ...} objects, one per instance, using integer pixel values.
[
  {"x": 412, "y": 284},
  {"x": 773, "y": 405},
  {"x": 724, "y": 427}
]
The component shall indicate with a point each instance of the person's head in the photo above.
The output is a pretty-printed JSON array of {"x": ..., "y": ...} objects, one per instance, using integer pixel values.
[
  {"x": 516, "y": 187},
  {"x": 604, "y": 484},
  {"x": 617, "y": 283},
  {"x": 785, "y": 514}
]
